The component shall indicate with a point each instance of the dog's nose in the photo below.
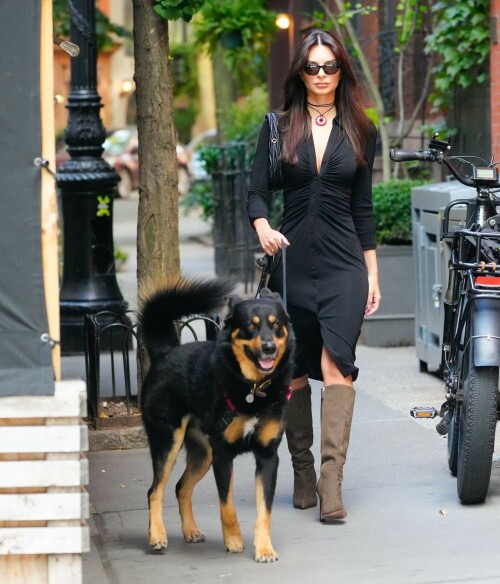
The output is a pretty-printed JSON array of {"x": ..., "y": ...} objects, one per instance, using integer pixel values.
[{"x": 268, "y": 347}]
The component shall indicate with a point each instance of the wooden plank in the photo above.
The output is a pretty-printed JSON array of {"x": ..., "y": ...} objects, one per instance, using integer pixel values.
[
  {"x": 69, "y": 400},
  {"x": 65, "y": 569},
  {"x": 44, "y": 540},
  {"x": 49, "y": 211},
  {"x": 44, "y": 506},
  {"x": 24, "y": 569},
  {"x": 46, "y": 473},
  {"x": 43, "y": 439}
]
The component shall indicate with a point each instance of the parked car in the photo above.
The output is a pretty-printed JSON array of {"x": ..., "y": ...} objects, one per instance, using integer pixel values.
[{"x": 121, "y": 152}]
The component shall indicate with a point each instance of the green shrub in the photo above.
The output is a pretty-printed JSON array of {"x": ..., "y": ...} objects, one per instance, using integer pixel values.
[{"x": 392, "y": 207}]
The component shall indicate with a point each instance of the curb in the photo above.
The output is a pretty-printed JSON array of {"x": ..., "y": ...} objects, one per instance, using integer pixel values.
[{"x": 117, "y": 439}]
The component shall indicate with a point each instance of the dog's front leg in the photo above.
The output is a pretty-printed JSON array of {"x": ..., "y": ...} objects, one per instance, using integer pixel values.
[
  {"x": 265, "y": 486},
  {"x": 231, "y": 533}
]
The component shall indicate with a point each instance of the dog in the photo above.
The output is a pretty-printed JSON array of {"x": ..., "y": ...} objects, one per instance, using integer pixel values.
[{"x": 219, "y": 398}]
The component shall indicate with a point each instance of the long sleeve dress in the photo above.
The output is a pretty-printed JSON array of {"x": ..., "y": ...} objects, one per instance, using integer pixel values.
[{"x": 328, "y": 220}]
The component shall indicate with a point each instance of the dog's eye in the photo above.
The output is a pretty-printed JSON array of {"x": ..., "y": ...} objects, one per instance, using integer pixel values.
[
  {"x": 251, "y": 327},
  {"x": 276, "y": 325}
]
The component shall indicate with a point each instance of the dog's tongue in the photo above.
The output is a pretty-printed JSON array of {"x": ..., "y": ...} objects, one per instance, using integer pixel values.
[{"x": 266, "y": 363}]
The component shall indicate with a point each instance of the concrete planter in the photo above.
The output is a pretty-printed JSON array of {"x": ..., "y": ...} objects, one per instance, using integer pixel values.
[{"x": 393, "y": 324}]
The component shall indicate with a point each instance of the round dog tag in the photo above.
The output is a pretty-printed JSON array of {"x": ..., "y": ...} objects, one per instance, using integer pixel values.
[{"x": 249, "y": 398}]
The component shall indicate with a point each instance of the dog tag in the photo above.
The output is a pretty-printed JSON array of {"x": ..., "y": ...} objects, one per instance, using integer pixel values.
[{"x": 249, "y": 398}]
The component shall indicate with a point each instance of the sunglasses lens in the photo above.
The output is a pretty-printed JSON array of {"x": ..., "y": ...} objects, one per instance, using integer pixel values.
[
  {"x": 311, "y": 69},
  {"x": 331, "y": 68}
]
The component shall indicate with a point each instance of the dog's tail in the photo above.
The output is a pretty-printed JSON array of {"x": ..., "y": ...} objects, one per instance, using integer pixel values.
[{"x": 162, "y": 303}]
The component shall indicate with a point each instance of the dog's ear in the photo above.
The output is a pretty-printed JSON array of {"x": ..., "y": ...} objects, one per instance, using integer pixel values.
[
  {"x": 266, "y": 293},
  {"x": 232, "y": 301}
]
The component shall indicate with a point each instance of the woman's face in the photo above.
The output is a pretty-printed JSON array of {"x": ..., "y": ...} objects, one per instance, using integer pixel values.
[{"x": 320, "y": 87}]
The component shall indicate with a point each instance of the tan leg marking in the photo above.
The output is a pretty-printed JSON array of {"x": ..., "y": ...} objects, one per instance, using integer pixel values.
[
  {"x": 264, "y": 551},
  {"x": 231, "y": 532},
  {"x": 157, "y": 534},
  {"x": 189, "y": 479},
  {"x": 235, "y": 429},
  {"x": 269, "y": 431}
]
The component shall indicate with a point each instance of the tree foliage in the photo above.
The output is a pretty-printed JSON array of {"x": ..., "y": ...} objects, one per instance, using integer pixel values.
[
  {"x": 461, "y": 38},
  {"x": 178, "y": 9},
  {"x": 106, "y": 31}
]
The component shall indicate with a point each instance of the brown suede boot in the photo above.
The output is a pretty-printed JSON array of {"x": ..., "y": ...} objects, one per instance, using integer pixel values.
[
  {"x": 299, "y": 435},
  {"x": 337, "y": 406}
]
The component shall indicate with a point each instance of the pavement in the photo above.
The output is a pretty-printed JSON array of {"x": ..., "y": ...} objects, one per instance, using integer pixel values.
[{"x": 405, "y": 523}]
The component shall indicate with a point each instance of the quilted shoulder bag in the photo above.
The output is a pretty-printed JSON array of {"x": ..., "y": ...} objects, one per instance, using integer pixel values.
[{"x": 275, "y": 171}]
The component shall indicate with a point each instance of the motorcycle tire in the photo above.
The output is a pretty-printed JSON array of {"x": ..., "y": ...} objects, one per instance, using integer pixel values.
[
  {"x": 453, "y": 433},
  {"x": 476, "y": 440}
]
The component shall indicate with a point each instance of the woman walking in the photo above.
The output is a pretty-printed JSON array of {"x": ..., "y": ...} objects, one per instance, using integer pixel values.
[{"x": 327, "y": 147}]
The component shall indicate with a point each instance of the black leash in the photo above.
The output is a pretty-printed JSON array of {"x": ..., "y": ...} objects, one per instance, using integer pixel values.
[{"x": 269, "y": 265}]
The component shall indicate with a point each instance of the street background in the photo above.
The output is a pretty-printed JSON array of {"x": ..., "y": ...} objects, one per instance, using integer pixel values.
[{"x": 404, "y": 525}]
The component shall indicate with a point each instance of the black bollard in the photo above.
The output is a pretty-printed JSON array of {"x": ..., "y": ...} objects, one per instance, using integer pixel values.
[{"x": 87, "y": 185}]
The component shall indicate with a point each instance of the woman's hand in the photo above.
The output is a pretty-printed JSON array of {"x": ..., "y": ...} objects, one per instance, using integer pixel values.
[
  {"x": 270, "y": 239},
  {"x": 373, "y": 300}
]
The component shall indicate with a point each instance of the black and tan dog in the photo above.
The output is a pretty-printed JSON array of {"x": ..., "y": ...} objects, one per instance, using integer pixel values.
[{"x": 217, "y": 398}]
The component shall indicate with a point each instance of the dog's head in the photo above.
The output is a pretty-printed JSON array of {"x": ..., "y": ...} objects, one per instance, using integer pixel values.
[{"x": 260, "y": 334}]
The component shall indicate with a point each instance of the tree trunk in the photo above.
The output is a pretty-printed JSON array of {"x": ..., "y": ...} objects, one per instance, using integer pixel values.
[{"x": 158, "y": 216}]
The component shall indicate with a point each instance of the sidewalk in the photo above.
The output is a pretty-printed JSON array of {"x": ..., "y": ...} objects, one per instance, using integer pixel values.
[{"x": 403, "y": 510}]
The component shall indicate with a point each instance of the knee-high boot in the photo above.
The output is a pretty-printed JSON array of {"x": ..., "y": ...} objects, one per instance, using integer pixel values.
[
  {"x": 299, "y": 435},
  {"x": 337, "y": 405}
]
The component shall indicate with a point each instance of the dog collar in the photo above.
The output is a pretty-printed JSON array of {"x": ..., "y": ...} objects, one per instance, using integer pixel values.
[{"x": 257, "y": 390}]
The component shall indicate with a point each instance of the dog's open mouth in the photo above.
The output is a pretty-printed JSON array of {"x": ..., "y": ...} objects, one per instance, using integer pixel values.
[{"x": 266, "y": 363}]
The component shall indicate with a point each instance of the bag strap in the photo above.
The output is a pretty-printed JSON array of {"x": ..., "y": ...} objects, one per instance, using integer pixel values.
[{"x": 275, "y": 172}]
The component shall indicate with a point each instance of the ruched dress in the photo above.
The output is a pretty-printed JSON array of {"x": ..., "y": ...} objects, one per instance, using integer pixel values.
[{"x": 328, "y": 220}]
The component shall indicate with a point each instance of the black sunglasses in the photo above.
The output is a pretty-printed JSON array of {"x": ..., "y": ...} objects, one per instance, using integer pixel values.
[{"x": 328, "y": 68}]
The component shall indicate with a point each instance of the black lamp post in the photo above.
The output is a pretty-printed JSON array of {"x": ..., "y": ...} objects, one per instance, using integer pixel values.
[{"x": 87, "y": 184}]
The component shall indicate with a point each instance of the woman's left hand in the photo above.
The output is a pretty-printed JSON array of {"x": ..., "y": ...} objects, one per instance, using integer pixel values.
[{"x": 373, "y": 300}]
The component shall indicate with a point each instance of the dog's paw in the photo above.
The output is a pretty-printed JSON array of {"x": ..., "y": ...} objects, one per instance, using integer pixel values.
[
  {"x": 265, "y": 555},
  {"x": 158, "y": 547},
  {"x": 193, "y": 535},
  {"x": 234, "y": 544}
]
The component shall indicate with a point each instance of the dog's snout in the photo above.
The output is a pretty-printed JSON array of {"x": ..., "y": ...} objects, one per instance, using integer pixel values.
[{"x": 268, "y": 347}]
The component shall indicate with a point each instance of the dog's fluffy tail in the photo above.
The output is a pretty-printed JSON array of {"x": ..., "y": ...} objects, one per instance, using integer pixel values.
[{"x": 161, "y": 303}]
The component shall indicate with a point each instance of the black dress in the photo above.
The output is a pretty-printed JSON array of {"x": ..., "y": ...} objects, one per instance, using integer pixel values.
[{"x": 328, "y": 220}]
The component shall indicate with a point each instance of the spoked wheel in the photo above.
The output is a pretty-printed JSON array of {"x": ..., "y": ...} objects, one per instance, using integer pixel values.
[
  {"x": 453, "y": 433},
  {"x": 476, "y": 438}
]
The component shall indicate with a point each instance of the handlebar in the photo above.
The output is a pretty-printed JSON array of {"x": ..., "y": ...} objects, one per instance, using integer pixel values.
[
  {"x": 422, "y": 155},
  {"x": 432, "y": 155}
]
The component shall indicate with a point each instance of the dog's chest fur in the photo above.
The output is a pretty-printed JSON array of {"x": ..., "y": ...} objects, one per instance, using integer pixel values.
[{"x": 253, "y": 428}]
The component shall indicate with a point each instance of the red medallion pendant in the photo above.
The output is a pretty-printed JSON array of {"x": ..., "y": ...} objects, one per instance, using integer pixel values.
[{"x": 320, "y": 120}]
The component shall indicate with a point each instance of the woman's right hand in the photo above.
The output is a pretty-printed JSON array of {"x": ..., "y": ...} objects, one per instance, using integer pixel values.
[{"x": 270, "y": 239}]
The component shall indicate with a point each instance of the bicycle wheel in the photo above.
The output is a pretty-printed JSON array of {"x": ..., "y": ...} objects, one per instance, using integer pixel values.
[
  {"x": 476, "y": 438},
  {"x": 453, "y": 433}
]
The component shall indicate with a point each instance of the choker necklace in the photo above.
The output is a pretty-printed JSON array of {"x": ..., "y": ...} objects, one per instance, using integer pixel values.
[{"x": 320, "y": 119}]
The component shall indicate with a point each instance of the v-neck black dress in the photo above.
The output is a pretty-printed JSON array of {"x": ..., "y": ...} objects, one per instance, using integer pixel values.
[{"x": 328, "y": 220}]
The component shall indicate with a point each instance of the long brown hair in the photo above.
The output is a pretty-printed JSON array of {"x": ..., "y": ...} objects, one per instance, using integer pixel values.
[{"x": 294, "y": 121}]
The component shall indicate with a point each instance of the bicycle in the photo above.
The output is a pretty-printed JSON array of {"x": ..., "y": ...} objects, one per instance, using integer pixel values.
[{"x": 470, "y": 356}]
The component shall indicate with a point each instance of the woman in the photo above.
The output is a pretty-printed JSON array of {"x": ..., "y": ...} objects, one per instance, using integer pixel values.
[{"x": 328, "y": 147}]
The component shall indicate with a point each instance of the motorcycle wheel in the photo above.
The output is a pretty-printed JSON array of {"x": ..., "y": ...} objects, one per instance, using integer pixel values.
[
  {"x": 453, "y": 433},
  {"x": 477, "y": 432}
]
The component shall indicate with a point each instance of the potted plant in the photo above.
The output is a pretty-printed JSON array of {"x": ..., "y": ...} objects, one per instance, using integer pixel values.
[
  {"x": 394, "y": 323},
  {"x": 234, "y": 24}
]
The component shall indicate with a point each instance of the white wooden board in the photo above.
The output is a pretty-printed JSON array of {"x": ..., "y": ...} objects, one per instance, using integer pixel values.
[
  {"x": 44, "y": 473},
  {"x": 69, "y": 400},
  {"x": 44, "y": 506},
  {"x": 20, "y": 439},
  {"x": 44, "y": 540}
]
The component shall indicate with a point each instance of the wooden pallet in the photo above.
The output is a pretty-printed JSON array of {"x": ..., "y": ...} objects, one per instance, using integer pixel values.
[{"x": 43, "y": 502}]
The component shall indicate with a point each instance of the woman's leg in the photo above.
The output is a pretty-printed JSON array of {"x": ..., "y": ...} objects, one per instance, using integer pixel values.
[
  {"x": 299, "y": 435},
  {"x": 337, "y": 404}
]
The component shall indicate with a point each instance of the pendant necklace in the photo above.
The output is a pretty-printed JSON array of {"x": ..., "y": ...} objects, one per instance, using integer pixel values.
[{"x": 320, "y": 119}]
